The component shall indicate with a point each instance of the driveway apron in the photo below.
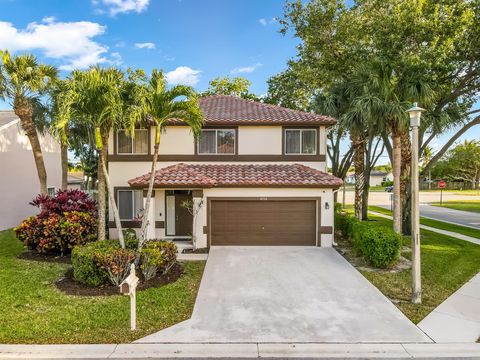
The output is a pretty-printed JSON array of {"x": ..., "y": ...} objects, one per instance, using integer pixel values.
[{"x": 287, "y": 294}]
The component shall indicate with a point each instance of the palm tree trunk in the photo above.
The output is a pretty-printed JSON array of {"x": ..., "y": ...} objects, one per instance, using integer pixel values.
[
  {"x": 23, "y": 109},
  {"x": 64, "y": 158},
  {"x": 143, "y": 233},
  {"x": 359, "y": 164},
  {"x": 113, "y": 205},
  {"x": 397, "y": 164},
  {"x": 405, "y": 183},
  {"x": 102, "y": 205}
]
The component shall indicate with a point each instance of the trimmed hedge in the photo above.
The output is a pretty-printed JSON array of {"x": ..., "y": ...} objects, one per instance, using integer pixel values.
[{"x": 378, "y": 244}]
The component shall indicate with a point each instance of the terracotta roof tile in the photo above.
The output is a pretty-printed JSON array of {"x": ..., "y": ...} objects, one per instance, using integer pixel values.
[
  {"x": 232, "y": 110},
  {"x": 238, "y": 175}
]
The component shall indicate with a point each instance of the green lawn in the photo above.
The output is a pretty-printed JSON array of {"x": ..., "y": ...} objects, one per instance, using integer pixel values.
[
  {"x": 34, "y": 311},
  {"x": 465, "y": 205},
  {"x": 464, "y": 230},
  {"x": 447, "y": 264}
]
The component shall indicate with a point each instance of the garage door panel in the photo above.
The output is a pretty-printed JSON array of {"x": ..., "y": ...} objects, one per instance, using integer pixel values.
[{"x": 255, "y": 222}]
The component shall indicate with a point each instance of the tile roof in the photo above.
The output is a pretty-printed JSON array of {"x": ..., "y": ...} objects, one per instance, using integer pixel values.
[
  {"x": 233, "y": 110},
  {"x": 238, "y": 175}
]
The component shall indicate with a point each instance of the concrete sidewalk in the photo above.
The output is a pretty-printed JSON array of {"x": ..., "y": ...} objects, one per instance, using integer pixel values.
[
  {"x": 242, "y": 351},
  {"x": 439, "y": 231},
  {"x": 457, "y": 319}
]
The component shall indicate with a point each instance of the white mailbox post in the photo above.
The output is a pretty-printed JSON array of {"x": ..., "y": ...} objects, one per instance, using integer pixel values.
[{"x": 129, "y": 287}]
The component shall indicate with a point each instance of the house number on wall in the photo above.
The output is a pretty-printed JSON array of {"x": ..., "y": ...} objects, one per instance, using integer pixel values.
[{"x": 263, "y": 198}]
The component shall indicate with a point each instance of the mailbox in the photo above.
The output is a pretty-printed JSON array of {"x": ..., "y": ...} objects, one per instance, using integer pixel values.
[{"x": 129, "y": 287}]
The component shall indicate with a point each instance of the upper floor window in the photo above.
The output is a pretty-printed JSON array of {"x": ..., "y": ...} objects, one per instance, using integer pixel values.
[
  {"x": 137, "y": 144},
  {"x": 130, "y": 203},
  {"x": 217, "y": 141},
  {"x": 301, "y": 141}
]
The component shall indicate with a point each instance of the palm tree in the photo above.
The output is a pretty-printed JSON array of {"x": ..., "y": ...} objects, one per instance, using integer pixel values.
[
  {"x": 159, "y": 105},
  {"x": 23, "y": 80},
  {"x": 93, "y": 98},
  {"x": 382, "y": 96}
]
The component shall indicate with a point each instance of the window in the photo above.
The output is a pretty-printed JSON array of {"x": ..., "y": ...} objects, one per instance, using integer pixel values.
[
  {"x": 301, "y": 141},
  {"x": 217, "y": 141},
  {"x": 130, "y": 203},
  {"x": 51, "y": 191},
  {"x": 137, "y": 144}
]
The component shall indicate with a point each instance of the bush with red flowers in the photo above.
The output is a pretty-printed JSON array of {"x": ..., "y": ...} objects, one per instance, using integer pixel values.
[{"x": 67, "y": 219}]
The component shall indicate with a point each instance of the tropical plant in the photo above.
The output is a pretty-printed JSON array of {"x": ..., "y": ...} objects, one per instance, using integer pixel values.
[
  {"x": 95, "y": 99},
  {"x": 24, "y": 81},
  {"x": 161, "y": 105}
]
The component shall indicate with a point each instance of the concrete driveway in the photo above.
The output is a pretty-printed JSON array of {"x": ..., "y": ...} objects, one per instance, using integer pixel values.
[{"x": 287, "y": 294}]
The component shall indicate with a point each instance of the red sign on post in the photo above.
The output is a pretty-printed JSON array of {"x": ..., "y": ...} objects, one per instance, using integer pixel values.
[{"x": 441, "y": 184}]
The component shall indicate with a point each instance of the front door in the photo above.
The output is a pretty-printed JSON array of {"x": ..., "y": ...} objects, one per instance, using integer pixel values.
[{"x": 183, "y": 219}]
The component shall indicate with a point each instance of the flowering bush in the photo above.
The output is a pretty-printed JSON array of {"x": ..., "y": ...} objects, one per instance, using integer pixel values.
[{"x": 65, "y": 220}]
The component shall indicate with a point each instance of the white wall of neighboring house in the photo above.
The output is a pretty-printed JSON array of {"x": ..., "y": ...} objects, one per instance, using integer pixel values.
[{"x": 19, "y": 180}]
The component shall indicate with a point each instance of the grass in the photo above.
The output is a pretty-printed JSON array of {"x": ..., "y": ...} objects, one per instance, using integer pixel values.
[
  {"x": 464, "y": 230},
  {"x": 34, "y": 311},
  {"x": 465, "y": 205},
  {"x": 447, "y": 264}
]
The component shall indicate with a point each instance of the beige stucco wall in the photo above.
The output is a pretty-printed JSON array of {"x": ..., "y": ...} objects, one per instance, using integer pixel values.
[
  {"x": 252, "y": 140},
  {"x": 19, "y": 180},
  {"x": 265, "y": 140}
]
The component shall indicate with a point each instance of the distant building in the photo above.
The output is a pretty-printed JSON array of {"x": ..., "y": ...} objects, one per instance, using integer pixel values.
[
  {"x": 376, "y": 177},
  {"x": 18, "y": 175},
  {"x": 75, "y": 180}
]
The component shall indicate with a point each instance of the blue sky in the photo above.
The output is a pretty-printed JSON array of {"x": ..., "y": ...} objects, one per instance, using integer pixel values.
[{"x": 194, "y": 41}]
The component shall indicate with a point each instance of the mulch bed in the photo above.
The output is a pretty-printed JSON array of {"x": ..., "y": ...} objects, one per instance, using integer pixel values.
[
  {"x": 70, "y": 286},
  {"x": 196, "y": 251},
  {"x": 35, "y": 256}
]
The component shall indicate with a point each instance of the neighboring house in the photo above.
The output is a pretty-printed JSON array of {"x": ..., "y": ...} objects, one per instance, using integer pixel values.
[
  {"x": 257, "y": 175},
  {"x": 378, "y": 177},
  {"x": 75, "y": 180},
  {"x": 19, "y": 180}
]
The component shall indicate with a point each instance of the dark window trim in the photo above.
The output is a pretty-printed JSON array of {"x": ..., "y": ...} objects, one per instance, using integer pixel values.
[
  {"x": 126, "y": 223},
  {"x": 304, "y": 156},
  {"x": 127, "y": 156},
  {"x": 234, "y": 128}
]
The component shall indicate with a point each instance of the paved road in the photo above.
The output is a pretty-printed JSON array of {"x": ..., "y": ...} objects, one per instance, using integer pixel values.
[
  {"x": 464, "y": 218},
  {"x": 287, "y": 294}
]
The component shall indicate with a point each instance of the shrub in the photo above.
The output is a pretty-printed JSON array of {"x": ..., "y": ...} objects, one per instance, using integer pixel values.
[
  {"x": 379, "y": 245},
  {"x": 101, "y": 261},
  {"x": 157, "y": 256},
  {"x": 386, "y": 183},
  {"x": 65, "y": 220}
]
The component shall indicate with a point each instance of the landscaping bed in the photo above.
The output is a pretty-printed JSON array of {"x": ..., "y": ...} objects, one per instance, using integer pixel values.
[
  {"x": 68, "y": 285},
  {"x": 196, "y": 251},
  {"x": 35, "y": 311},
  {"x": 447, "y": 264}
]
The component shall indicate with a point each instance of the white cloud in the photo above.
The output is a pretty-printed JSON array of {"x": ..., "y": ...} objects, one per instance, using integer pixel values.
[
  {"x": 69, "y": 42},
  {"x": 246, "y": 69},
  {"x": 122, "y": 6},
  {"x": 183, "y": 75},
  {"x": 266, "y": 22},
  {"x": 146, "y": 45}
]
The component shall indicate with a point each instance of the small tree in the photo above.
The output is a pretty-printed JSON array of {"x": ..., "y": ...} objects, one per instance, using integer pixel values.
[{"x": 193, "y": 207}]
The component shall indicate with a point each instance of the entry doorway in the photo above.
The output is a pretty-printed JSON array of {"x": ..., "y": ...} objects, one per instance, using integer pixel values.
[{"x": 179, "y": 220}]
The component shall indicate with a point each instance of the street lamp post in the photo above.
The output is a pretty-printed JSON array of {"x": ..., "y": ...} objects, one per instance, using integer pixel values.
[{"x": 415, "y": 113}]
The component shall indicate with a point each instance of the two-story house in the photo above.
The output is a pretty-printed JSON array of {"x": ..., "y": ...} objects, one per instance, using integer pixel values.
[{"x": 256, "y": 176}]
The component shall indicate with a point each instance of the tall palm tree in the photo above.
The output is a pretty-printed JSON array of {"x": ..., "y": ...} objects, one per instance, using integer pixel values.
[
  {"x": 23, "y": 80},
  {"x": 159, "y": 104},
  {"x": 93, "y": 98},
  {"x": 382, "y": 96}
]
